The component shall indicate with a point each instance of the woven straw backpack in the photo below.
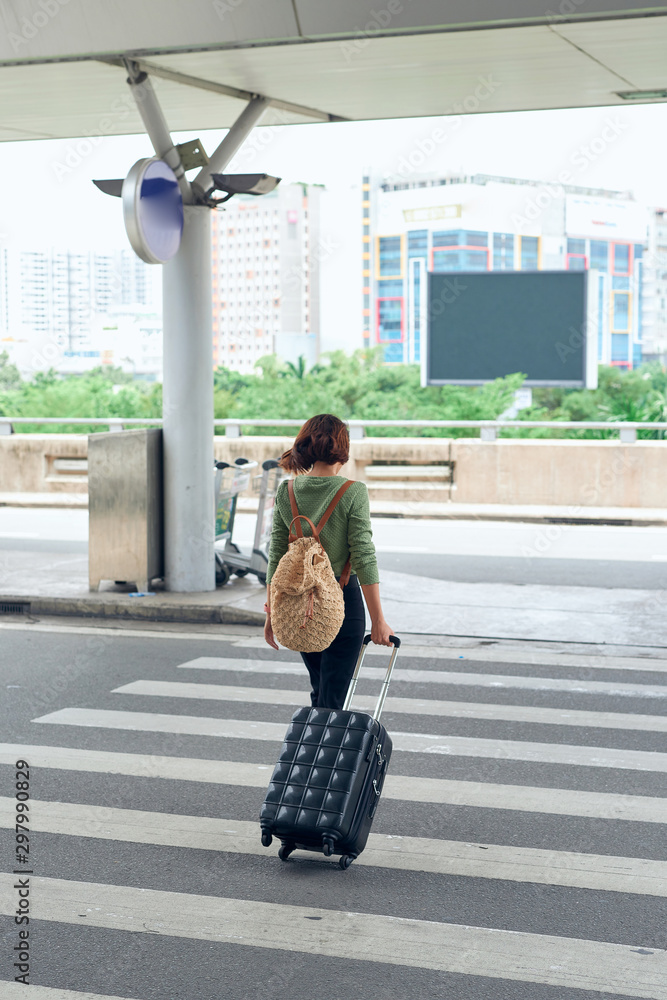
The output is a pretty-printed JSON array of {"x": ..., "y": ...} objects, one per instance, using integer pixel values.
[{"x": 307, "y": 607}]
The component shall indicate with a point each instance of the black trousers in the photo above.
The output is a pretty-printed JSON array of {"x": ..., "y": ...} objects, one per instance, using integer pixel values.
[{"x": 331, "y": 670}]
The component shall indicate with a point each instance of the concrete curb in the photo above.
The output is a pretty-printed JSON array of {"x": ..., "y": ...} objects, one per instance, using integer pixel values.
[
  {"x": 129, "y": 609},
  {"x": 451, "y": 511}
]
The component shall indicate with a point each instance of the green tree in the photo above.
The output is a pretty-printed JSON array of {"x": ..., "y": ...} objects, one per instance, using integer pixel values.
[
  {"x": 10, "y": 377},
  {"x": 297, "y": 370}
]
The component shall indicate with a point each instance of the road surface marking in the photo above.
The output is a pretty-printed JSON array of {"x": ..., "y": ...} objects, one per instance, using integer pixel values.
[
  {"x": 568, "y": 963},
  {"x": 496, "y": 681},
  {"x": 477, "y": 794},
  {"x": 456, "y": 746},
  {"x": 17, "y": 991},
  {"x": 493, "y": 652},
  {"x": 638, "y": 876},
  {"x": 491, "y": 712}
]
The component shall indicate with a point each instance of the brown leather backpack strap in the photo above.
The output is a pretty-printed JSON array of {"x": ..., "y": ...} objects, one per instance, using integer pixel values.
[
  {"x": 329, "y": 511},
  {"x": 347, "y": 569},
  {"x": 292, "y": 538},
  {"x": 295, "y": 509}
]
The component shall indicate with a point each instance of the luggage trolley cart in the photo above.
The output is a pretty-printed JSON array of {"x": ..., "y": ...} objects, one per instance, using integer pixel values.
[
  {"x": 230, "y": 480},
  {"x": 231, "y": 558}
]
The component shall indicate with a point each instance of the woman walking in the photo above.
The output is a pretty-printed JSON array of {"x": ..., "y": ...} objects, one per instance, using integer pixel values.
[{"x": 320, "y": 450}]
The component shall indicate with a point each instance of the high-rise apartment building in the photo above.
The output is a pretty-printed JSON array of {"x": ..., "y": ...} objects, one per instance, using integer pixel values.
[
  {"x": 52, "y": 301},
  {"x": 655, "y": 289},
  {"x": 4, "y": 292},
  {"x": 266, "y": 293},
  {"x": 417, "y": 225}
]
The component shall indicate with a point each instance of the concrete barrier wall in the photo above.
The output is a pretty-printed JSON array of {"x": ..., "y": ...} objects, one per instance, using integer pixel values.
[
  {"x": 511, "y": 471},
  {"x": 43, "y": 463},
  {"x": 568, "y": 473}
]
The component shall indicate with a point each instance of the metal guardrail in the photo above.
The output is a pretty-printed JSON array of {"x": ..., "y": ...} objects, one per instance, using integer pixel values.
[{"x": 488, "y": 428}]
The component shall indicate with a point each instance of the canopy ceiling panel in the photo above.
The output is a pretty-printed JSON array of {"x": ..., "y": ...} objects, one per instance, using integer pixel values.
[
  {"x": 65, "y": 29},
  {"x": 88, "y": 28},
  {"x": 637, "y": 49},
  {"x": 61, "y": 74},
  {"x": 323, "y": 19},
  {"x": 513, "y": 69},
  {"x": 63, "y": 100}
]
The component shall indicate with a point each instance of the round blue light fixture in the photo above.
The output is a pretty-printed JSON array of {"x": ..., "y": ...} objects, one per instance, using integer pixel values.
[{"x": 153, "y": 210}]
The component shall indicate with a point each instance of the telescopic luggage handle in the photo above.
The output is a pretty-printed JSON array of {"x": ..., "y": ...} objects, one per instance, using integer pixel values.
[{"x": 396, "y": 642}]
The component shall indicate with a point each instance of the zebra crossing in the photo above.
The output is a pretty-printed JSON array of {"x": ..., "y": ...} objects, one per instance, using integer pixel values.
[
  {"x": 273, "y": 732},
  {"x": 444, "y": 857},
  {"x": 561, "y": 903}
]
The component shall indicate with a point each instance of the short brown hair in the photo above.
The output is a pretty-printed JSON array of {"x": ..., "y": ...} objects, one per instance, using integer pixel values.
[{"x": 324, "y": 438}]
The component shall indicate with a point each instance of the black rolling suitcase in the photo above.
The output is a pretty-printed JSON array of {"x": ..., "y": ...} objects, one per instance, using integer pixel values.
[{"x": 327, "y": 783}]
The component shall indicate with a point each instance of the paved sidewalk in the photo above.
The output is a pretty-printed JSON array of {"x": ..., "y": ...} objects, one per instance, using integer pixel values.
[
  {"x": 51, "y": 583},
  {"x": 533, "y": 513}
]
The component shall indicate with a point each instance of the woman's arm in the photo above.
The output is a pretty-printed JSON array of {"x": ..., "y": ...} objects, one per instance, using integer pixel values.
[
  {"x": 277, "y": 548},
  {"x": 362, "y": 555},
  {"x": 268, "y": 628},
  {"x": 380, "y": 631}
]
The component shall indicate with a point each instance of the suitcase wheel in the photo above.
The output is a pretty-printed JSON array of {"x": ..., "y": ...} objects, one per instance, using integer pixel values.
[
  {"x": 266, "y": 838},
  {"x": 345, "y": 861},
  {"x": 327, "y": 846},
  {"x": 285, "y": 850}
]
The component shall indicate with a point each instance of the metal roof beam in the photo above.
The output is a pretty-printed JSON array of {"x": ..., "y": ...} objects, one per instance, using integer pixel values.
[{"x": 224, "y": 89}]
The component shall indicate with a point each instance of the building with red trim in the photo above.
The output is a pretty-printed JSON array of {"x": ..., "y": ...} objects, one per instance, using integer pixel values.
[{"x": 416, "y": 224}]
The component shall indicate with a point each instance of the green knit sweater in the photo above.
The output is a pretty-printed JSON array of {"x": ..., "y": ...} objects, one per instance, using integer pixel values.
[{"x": 346, "y": 533}]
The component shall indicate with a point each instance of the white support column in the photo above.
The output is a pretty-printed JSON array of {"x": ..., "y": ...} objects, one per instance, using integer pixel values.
[{"x": 187, "y": 409}]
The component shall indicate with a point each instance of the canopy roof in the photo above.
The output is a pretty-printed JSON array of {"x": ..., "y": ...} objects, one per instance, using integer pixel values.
[{"x": 61, "y": 70}]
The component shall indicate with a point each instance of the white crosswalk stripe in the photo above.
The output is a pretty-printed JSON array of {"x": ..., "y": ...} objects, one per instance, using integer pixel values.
[
  {"x": 442, "y": 857},
  {"x": 18, "y": 991},
  {"x": 441, "y": 791},
  {"x": 466, "y": 950},
  {"x": 495, "y": 681},
  {"x": 588, "y": 865},
  {"x": 494, "y": 652},
  {"x": 409, "y": 706},
  {"x": 547, "y": 753}
]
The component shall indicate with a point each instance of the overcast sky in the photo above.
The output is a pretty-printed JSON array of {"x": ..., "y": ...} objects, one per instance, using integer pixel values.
[{"x": 50, "y": 200}]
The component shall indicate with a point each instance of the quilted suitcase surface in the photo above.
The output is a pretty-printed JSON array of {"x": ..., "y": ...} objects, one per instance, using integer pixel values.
[{"x": 327, "y": 782}]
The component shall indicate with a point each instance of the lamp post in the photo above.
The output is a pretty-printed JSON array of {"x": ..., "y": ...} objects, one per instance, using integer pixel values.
[{"x": 187, "y": 319}]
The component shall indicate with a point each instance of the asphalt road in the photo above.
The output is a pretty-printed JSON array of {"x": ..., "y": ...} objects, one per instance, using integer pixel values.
[
  {"x": 519, "y": 850},
  {"x": 463, "y": 551}
]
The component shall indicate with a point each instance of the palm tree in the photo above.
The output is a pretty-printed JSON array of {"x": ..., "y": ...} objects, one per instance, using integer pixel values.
[{"x": 298, "y": 370}]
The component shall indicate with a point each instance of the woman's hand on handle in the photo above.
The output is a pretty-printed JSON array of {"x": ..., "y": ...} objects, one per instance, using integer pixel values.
[{"x": 381, "y": 633}]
